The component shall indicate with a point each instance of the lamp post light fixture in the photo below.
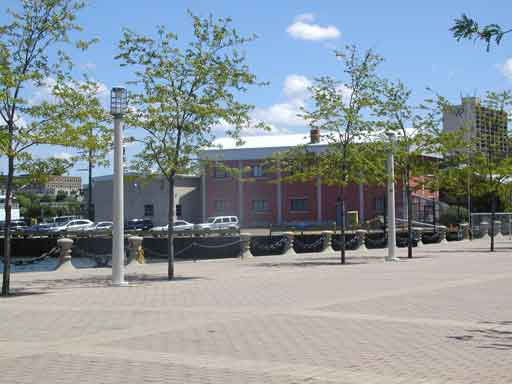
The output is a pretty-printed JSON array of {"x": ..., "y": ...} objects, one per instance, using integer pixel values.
[
  {"x": 118, "y": 106},
  {"x": 391, "y": 201}
]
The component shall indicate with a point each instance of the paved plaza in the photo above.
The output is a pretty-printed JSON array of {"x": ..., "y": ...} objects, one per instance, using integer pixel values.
[{"x": 443, "y": 317}]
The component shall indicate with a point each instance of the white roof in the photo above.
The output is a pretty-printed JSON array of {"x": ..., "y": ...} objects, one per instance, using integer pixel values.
[
  {"x": 256, "y": 147},
  {"x": 263, "y": 146},
  {"x": 262, "y": 141}
]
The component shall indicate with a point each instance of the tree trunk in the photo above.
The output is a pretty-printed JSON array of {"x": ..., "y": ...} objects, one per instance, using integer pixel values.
[
  {"x": 493, "y": 217},
  {"x": 409, "y": 214},
  {"x": 170, "y": 229},
  {"x": 342, "y": 226},
  {"x": 89, "y": 192},
  {"x": 6, "y": 278}
]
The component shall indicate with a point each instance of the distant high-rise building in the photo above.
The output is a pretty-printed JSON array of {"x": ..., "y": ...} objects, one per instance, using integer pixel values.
[{"x": 488, "y": 126}]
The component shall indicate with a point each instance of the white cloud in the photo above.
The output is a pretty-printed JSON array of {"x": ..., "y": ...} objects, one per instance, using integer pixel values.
[
  {"x": 304, "y": 29},
  {"x": 281, "y": 114},
  {"x": 44, "y": 91},
  {"x": 345, "y": 92},
  {"x": 296, "y": 87},
  {"x": 285, "y": 114},
  {"x": 63, "y": 156},
  {"x": 506, "y": 68}
]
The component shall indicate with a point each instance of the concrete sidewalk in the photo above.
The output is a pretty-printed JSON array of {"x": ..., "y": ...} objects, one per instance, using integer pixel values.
[{"x": 443, "y": 317}]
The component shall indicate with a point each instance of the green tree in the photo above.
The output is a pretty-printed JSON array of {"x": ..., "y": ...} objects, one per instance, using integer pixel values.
[
  {"x": 415, "y": 131},
  {"x": 340, "y": 113},
  {"x": 31, "y": 58},
  {"x": 468, "y": 29},
  {"x": 185, "y": 92}
]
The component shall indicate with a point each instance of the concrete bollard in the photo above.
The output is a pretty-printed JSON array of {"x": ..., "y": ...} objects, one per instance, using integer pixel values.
[
  {"x": 442, "y": 234},
  {"x": 361, "y": 236},
  {"x": 289, "y": 251},
  {"x": 65, "y": 246},
  {"x": 497, "y": 229},
  {"x": 484, "y": 229},
  {"x": 326, "y": 246},
  {"x": 419, "y": 235},
  {"x": 245, "y": 246},
  {"x": 135, "y": 251}
]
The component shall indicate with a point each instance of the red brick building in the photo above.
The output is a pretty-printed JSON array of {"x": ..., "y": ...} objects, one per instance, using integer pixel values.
[{"x": 266, "y": 199}]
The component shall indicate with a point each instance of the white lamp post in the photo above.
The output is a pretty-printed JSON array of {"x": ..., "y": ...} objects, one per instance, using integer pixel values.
[
  {"x": 391, "y": 202},
  {"x": 118, "y": 105}
]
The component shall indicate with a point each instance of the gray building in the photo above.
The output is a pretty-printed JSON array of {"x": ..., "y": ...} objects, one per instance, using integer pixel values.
[
  {"x": 148, "y": 199},
  {"x": 488, "y": 126}
]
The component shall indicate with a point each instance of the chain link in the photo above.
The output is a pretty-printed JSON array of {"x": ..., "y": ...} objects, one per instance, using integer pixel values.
[
  {"x": 271, "y": 247},
  {"x": 37, "y": 260},
  {"x": 313, "y": 245}
]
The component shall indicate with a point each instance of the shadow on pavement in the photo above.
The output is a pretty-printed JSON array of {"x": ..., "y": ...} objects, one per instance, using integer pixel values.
[
  {"x": 39, "y": 285},
  {"x": 488, "y": 338}
]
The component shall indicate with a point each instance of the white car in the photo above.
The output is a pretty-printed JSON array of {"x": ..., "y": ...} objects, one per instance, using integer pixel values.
[
  {"x": 73, "y": 225},
  {"x": 179, "y": 225},
  {"x": 99, "y": 227},
  {"x": 219, "y": 222}
]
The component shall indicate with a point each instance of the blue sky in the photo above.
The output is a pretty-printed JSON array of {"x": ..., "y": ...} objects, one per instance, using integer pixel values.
[{"x": 296, "y": 40}]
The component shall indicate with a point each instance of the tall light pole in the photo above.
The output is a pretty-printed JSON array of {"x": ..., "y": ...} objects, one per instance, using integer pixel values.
[
  {"x": 118, "y": 105},
  {"x": 391, "y": 201}
]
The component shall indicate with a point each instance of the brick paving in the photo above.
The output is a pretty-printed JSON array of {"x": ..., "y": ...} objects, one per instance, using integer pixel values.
[{"x": 443, "y": 317}]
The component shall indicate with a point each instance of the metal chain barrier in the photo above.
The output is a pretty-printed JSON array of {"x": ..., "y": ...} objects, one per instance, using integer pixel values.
[
  {"x": 311, "y": 246},
  {"x": 43, "y": 257},
  {"x": 352, "y": 243},
  {"x": 190, "y": 246},
  {"x": 270, "y": 247}
]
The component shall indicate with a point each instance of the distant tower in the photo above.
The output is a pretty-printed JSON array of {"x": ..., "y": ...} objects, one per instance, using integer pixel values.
[{"x": 488, "y": 125}]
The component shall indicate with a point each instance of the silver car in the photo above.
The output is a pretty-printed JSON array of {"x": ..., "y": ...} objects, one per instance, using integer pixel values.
[
  {"x": 179, "y": 225},
  {"x": 219, "y": 222},
  {"x": 73, "y": 226},
  {"x": 102, "y": 226}
]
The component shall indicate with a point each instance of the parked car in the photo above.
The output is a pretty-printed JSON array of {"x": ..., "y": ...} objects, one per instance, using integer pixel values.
[
  {"x": 72, "y": 226},
  {"x": 17, "y": 225},
  {"x": 100, "y": 226},
  {"x": 138, "y": 225},
  {"x": 219, "y": 222},
  {"x": 61, "y": 220},
  {"x": 39, "y": 229},
  {"x": 179, "y": 225}
]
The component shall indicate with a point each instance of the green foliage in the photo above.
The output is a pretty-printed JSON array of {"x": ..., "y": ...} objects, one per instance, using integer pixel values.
[
  {"x": 468, "y": 29},
  {"x": 186, "y": 93},
  {"x": 71, "y": 107},
  {"x": 31, "y": 58},
  {"x": 340, "y": 112},
  {"x": 454, "y": 215},
  {"x": 413, "y": 130}
]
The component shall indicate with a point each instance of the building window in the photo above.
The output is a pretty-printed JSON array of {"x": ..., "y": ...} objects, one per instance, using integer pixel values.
[
  {"x": 257, "y": 171},
  {"x": 149, "y": 210},
  {"x": 219, "y": 173},
  {"x": 219, "y": 205},
  {"x": 260, "y": 205},
  {"x": 298, "y": 204},
  {"x": 379, "y": 204}
]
